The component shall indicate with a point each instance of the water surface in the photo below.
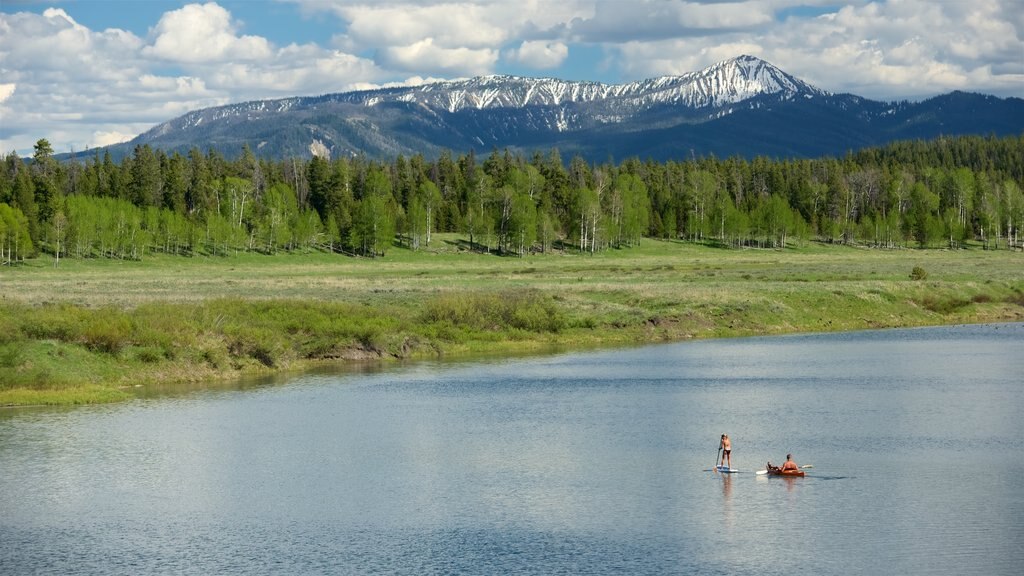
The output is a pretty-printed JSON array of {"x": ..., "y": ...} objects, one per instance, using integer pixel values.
[{"x": 580, "y": 463}]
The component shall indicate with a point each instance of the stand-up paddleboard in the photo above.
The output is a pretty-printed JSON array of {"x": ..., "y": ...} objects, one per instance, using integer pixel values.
[{"x": 726, "y": 470}]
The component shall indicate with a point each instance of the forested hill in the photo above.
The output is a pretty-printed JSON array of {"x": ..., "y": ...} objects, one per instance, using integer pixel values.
[
  {"x": 941, "y": 193},
  {"x": 743, "y": 106}
]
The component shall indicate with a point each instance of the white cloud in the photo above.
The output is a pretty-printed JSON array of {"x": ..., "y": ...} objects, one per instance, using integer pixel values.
[
  {"x": 410, "y": 81},
  {"x": 81, "y": 86},
  {"x": 180, "y": 87},
  {"x": 656, "y": 20},
  {"x": 464, "y": 25},
  {"x": 294, "y": 70},
  {"x": 66, "y": 76},
  {"x": 676, "y": 57},
  {"x": 454, "y": 37},
  {"x": 53, "y": 43},
  {"x": 102, "y": 138},
  {"x": 203, "y": 33},
  {"x": 910, "y": 49},
  {"x": 540, "y": 54},
  {"x": 883, "y": 50},
  {"x": 425, "y": 55}
]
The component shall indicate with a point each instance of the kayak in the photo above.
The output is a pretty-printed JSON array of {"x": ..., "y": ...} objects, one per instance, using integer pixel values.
[{"x": 778, "y": 472}]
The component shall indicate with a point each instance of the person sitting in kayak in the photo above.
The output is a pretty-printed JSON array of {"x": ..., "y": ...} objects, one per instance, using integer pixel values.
[
  {"x": 786, "y": 466},
  {"x": 789, "y": 464},
  {"x": 726, "y": 450}
]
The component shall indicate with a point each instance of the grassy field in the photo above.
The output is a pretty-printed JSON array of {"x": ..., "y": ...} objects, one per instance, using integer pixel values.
[{"x": 95, "y": 330}]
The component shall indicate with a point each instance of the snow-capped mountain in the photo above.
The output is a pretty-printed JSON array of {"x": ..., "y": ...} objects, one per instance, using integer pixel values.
[
  {"x": 742, "y": 106},
  {"x": 724, "y": 83}
]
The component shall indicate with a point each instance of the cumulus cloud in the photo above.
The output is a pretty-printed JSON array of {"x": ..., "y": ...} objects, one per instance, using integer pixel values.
[
  {"x": 540, "y": 54},
  {"x": 102, "y": 138},
  {"x": 53, "y": 43},
  {"x": 426, "y": 55},
  {"x": 911, "y": 49},
  {"x": 86, "y": 87},
  {"x": 677, "y": 57},
  {"x": 655, "y": 20},
  {"x": 453, "y": 37},
  {"x": 203, "y": 33},
  {"x": 64, "y": 73},
  {"x": 883, "y": 50},
  {"x": 465, "y": 25}
]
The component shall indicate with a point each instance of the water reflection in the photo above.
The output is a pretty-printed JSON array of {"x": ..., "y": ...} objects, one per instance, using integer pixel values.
[
  {"x": 257, "y": 381},
  {"x": 726, "y": 488}
]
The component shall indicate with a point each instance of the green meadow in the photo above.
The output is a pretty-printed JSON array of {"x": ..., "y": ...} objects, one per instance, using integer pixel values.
[{"x": 99, "y": 330}]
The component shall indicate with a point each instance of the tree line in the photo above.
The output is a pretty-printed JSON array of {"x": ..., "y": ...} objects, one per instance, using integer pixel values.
[{"x": 938, "y": 193}]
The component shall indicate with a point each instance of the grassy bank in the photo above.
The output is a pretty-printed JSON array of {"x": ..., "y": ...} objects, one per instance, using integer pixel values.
[{"x": 92, "y": 331}]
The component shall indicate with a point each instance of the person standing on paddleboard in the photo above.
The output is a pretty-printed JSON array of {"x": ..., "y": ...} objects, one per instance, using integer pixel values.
[{"x": 726, "y": 447}]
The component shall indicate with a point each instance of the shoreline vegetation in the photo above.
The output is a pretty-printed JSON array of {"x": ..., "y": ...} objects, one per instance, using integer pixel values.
[
  {"x": 102, "y": 330},
  {"x": 170, "y": 270}
]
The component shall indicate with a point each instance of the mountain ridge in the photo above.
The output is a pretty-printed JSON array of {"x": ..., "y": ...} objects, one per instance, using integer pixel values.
[{"x": 586, "y": 118}]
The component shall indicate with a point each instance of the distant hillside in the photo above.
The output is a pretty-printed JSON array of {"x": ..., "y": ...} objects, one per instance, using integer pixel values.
[{"x": 743, "y": 106}]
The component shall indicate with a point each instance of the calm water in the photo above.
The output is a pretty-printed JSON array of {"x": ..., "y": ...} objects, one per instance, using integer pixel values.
[{"x": 590, "y": 463}]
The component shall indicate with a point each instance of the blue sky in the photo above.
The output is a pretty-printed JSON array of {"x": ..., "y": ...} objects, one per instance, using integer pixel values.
[{"x": 86, "y": 73}]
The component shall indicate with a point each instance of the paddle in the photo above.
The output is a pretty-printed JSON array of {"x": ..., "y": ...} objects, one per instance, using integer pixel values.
[
  {"x": 719, "y": 451},
  {"x": 804, "y": 467}
]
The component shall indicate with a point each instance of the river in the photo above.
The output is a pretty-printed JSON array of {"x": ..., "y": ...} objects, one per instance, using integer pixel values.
[{"x": 580, "y": 463}]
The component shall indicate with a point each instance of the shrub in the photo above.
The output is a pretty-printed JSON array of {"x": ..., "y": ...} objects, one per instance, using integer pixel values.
[
  {"x": 107, "y": 331},
  {"x": 941, "y": 305},
  {"x": 529, "y": 311},
  {"x": 258, "y": 343},
  {"x": 264, "y": 355},
  {"x": 10, "y": 327},
  {"x": 918, "y": 273},
  {"x": 150, "y": 355},
  {"x": 11, "y": 354},
  {"x": 58, "y": 322},
  {"x": 370, "y": 339},
  {"x": 164, "y": 325},
  {"x": 1016, "y": 298},
  {"x": 215, "y": 358}
]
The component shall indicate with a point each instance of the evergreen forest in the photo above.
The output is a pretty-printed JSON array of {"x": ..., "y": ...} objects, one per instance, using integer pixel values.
[{"x": 944, "y": 193}]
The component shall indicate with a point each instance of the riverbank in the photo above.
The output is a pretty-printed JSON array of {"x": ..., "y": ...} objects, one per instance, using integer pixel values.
[{"x": 99, "y": 330}]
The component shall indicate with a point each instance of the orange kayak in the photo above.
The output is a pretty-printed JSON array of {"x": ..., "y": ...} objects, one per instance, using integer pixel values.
[{"x": 779, "y": 472}]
